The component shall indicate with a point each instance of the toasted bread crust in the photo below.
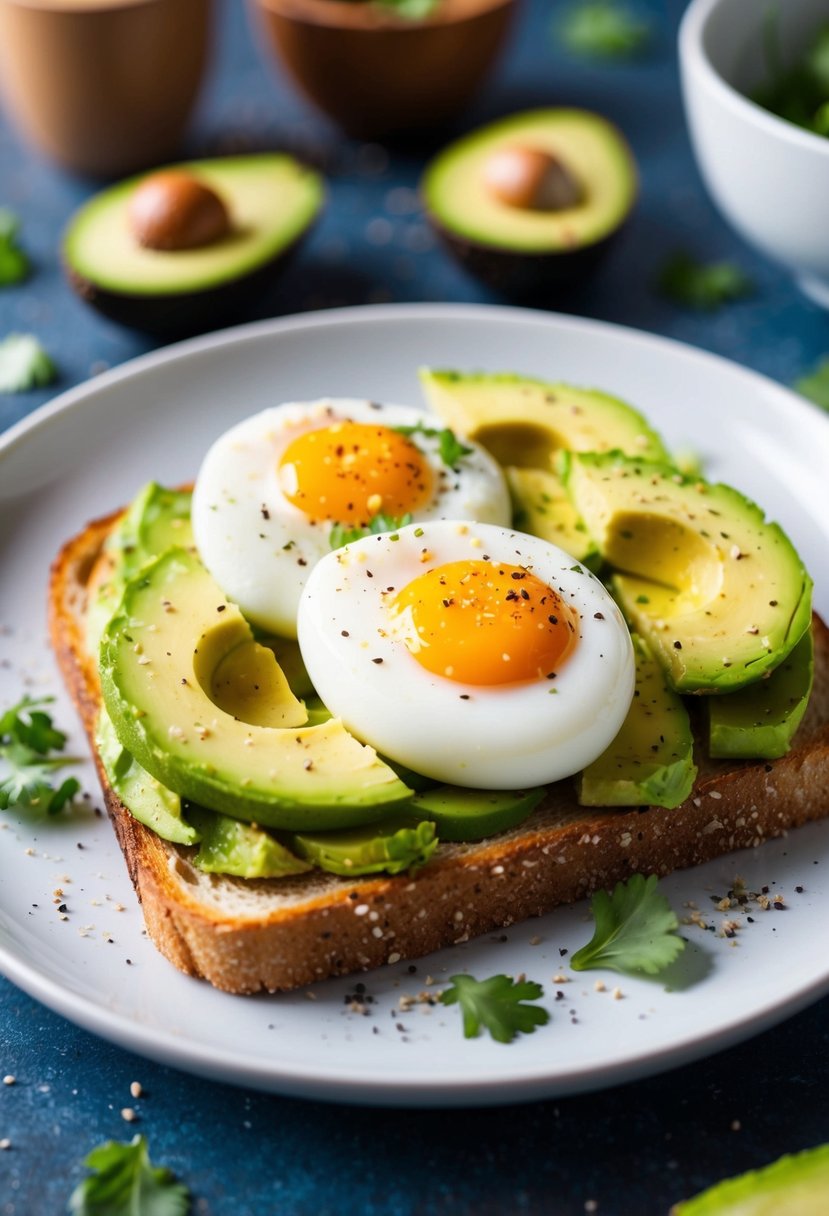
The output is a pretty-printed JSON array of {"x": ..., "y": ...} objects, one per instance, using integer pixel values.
[{"x": 276, "y": 935}]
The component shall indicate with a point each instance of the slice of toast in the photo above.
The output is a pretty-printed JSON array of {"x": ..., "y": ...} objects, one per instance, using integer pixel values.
[{"x": 276, "y": 934}]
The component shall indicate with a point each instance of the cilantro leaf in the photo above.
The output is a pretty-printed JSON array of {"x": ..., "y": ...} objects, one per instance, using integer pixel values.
[
  {"x": 28, "y": 724},
  {"x": 450, "y": 448},
  {"x": 24, "y": 364},
  {"x": 26, "y": 737},
  {"x": 496, "y": 1004},
  {"x": 705, "y": 286},
  {"x": 815, "y": 385},
  {"x": 126, "y": 1183},
  {"x": 635, "y": 930},
  {"x": 14, "y": 265},
  {"x": 604, "y": 29},
  {"x": 341, "y": 535}
]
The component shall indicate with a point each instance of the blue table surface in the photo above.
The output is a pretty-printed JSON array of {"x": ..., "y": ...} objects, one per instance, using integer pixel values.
[{"x": 624, "y": 1152}]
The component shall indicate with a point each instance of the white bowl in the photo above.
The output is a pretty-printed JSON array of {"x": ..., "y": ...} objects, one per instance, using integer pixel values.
[{"x": 769, "y": 177}]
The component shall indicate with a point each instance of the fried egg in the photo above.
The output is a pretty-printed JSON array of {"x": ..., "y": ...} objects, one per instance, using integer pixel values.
[
  {"x": 471, "y": 653},
  {"x": 272, "y": 489}
]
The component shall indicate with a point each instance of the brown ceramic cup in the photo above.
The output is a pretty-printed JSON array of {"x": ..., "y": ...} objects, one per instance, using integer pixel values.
[
  {"x": 376, "y": 74},
  {"x": 102, "y": 87}
]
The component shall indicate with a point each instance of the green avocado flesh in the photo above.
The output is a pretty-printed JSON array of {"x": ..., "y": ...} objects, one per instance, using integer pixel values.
[
  {"x": 461, "y": 814},
  {"x": 759, "y": 721},
  {"x": 796, "y": 1185},
  {"x": 397, "y": 845},
  {"x": 271, "y": 199},
  {"x": 179, "y": 669},
  {"x": 150, "y": 802},
  {"x": 229, "y": 846},
  {"x": 525, "y": 422},
  {"x": 540, "y": 506},
  {"x": 589, "y": 147},
  {"x": 651, "y": 760},
  {"x": 718, "y": 593},
  {"x": 156, "y": 520}
]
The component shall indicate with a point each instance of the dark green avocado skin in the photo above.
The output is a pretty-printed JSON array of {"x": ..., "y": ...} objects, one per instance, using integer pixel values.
[
  {"x": 533, "y": 278},
  {"x": 182, "y": 314}
]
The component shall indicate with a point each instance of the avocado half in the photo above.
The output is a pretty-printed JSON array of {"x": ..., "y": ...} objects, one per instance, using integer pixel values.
[
  {"x": 272, "y": 200},
  {"x": 527, "y": 251}
]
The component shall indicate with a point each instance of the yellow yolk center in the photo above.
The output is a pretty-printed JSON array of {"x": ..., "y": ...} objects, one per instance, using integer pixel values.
[
  {"x": 478, "y": 622},
  {"x": 352, "y": 471}
]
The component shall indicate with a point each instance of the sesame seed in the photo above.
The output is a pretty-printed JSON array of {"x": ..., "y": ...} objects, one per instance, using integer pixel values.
[
  {"x": 136, "y": 1090},
  {"x": 128, "y": 1114},
  {"x": 9, "y": 1079}
]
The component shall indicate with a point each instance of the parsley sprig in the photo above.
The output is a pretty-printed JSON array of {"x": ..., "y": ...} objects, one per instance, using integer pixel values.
[
  {"x": 14, "y": 264},
  {"x": 604, "y": 29},
  {"x": 635, "y": 930},
  {"x": 27, "y": 735},
  {"x": 341, "y": 535},
  {"x": 450, "y": 448},
  {"x": 497, "y": 1004},
  {"x": 24, "y": 364},
  {"x": 126, "y": 1183},
  {"x": 705, "y": 286}
]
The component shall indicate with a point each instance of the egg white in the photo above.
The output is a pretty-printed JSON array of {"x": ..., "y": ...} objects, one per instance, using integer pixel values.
[
  {"x": 260, "y": 548},
  {"x": 488, "y": 737}
]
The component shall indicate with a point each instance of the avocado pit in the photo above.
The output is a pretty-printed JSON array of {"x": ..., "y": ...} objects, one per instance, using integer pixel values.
[
  {"x": 173, "y": 210},
  {"x": 531, "y": 179}
]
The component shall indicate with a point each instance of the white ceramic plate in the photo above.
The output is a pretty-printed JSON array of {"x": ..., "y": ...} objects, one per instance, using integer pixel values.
[{"x": 90, "y": 450}]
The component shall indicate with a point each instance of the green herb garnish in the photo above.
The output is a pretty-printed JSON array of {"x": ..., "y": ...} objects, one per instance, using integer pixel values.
[
  {"x": 26, "y": 738},
  {"x": 24, "y": 364},
  {"x": 14, "y": 265},
  {"x": 497, "y": 1005},
  {"x": 341, "y": 535},
  {"x": 450, "y": 448},
  {"x": 635, "y": 930},
  {"x": 799, "y": 93},
  {"x": 604, "y": 29},
  {"x": 815, "y": 385},
  {"x": 705, "y": 286},
  {"x": 126, "y": 1183}
]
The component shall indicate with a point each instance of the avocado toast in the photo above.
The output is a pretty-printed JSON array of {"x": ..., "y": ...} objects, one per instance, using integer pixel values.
[{"x": 250, "y": 934}]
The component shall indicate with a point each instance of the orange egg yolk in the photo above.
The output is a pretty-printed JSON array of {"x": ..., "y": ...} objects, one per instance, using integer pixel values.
[
  {"x": 478, "y": 622},
  {"x": 351, "y": 471}
]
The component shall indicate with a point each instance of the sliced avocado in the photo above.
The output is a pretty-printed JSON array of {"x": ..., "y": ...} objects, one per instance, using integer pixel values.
[
  {"x": 530, "y": 201},
  {"x": 796, "y": 1185},
  {"x": 272, "y": 201},
  {"x": 390, "y": 847},
  {"x": 542, "y": 507},
  {"x": 150, "y": 802},
  {"x": 288, "y": 656},
  {"x": 179, "y": 673},
  {"x": 157, "y": 519},
  {"x": 651, "y": 760},
  {"x": 462, "y": 814},
  {"x": 718, "y": 593},
  {"x": 242, "y": 849},
  {"x": 758, "y": 722},
  {"x": 525, "y": 422}
]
